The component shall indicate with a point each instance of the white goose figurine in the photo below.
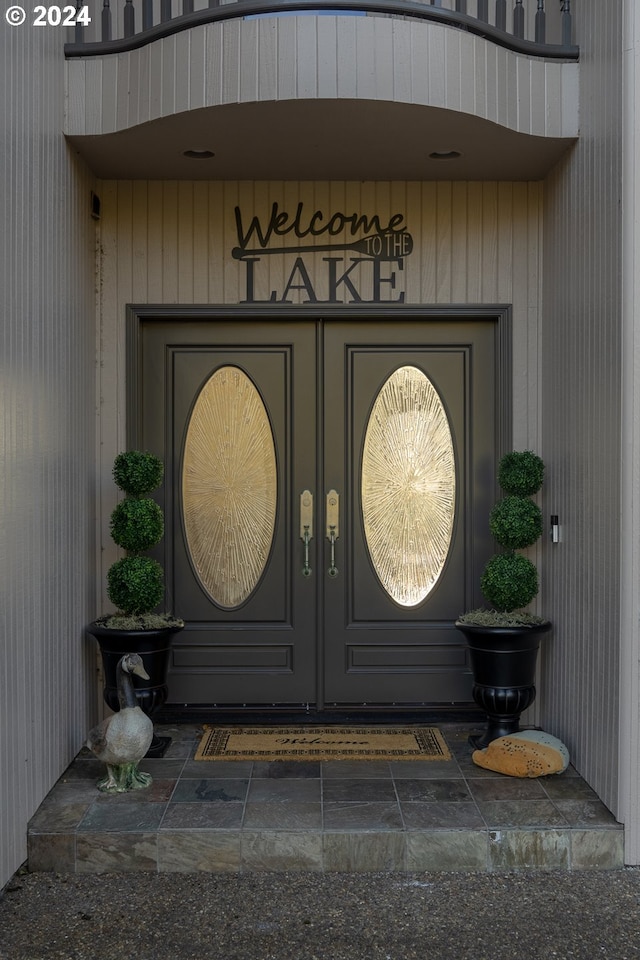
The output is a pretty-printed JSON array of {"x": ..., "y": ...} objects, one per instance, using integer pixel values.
[{"x": 122, "y": 740}]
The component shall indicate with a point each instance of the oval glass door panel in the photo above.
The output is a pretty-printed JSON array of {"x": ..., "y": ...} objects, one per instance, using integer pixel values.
[
  {"x": 408, "y": 486},
  {"x": 229, "y": 487}
]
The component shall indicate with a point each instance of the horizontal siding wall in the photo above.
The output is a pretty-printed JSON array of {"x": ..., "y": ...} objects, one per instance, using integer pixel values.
[
  {"x": 47, "y": 435},
  {"x": 171, "y": 242},
  {"x": 581, "y": 377}
]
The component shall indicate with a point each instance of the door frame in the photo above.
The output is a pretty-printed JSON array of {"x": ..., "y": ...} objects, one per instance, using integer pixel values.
[{"x": 501, "y": 315}]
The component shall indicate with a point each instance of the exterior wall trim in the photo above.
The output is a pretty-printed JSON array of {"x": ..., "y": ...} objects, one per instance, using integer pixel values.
[{"x": 629, "y": 709}]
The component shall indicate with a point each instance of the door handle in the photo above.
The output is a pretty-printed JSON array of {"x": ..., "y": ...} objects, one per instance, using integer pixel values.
[
  {"x": 333, "y": 528},
  {"x": 306, "y": 527}
]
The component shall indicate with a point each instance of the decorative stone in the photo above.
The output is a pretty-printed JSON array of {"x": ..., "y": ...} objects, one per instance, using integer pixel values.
[{"x": 529, "y": 753}]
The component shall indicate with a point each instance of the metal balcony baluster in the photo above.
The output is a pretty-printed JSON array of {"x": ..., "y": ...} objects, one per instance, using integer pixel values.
[
  {"x": 129, "y": 19},
  {"x": 147, "y": 14},
  {"x": 518, "y": 20},
  {"x": 481, "y": 18},
  {"x": 78, "y": 31},
  {"x": 540, "y": 22},
  {"x": 566, "y": 23},
  {"x": 106, "y": 20}
]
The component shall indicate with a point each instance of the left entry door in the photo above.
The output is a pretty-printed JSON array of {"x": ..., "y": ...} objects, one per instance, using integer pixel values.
[{"x": 238, "y": 403}]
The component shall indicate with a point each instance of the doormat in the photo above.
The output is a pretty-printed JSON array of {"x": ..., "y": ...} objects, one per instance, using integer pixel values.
[{"x": 322, "y": 743}]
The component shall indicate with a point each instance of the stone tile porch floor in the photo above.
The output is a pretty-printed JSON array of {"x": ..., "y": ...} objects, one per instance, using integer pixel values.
[{"x": 341, "y": 816}]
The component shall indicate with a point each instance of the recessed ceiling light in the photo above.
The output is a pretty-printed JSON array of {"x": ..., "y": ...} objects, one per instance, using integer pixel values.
[
  {"x": 198, "y": 154},
  {"x": 445, "y": 155}
]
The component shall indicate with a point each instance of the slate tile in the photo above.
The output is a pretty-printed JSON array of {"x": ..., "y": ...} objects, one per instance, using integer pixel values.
[
  {"x": 217, "y": 769},
  {"x": 587, "y": 813},
  {"x": 288, "y": 769},
  {"x": 437, "y": 816},
  {"x": 447, "y": 850},
  {"x": 560, "y": 787},
  {"x": 122, "y": 817},
  {"x": 117, "y": 852},
  {"x": 361, "y": 816},
  {"x": 211, "y": 791},
  {"x": 157, "y": 792},
  {"x": 285, "y": 790},
  {"x": 183, "y": 851},
  {"x": 529, "y": 849},
  {"x": 370, "y": 852},
  {"x": 200, "y": 816},
  {"x": 433, "y": 790},
  {"x": 58, "y": 817},
  {"x": 355, "y": 769},
  {"x": 281, "y": 815},
  {"x": 521, "y": 813},
  {"x": 271, "y": 850},
  {"x": 506, "y": 788},
  {"x": 597, "y": 849},
  {"x": 358, "y": 790},
  {"x": 51, "y": 852},
  {"x": 425, "y": 769}
]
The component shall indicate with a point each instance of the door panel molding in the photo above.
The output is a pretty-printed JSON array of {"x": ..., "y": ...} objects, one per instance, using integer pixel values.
[{"x": 264, "y": 652}]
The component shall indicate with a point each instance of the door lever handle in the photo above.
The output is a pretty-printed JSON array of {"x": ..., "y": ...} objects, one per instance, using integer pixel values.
[
  {"x": 306, "y": 527},
  {"x": 333, "y": 528}
]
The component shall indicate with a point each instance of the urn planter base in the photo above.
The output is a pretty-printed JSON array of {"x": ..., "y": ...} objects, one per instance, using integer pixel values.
[
  {"x": 503, "y": 662},
  {"x": 154, "y": 646}
]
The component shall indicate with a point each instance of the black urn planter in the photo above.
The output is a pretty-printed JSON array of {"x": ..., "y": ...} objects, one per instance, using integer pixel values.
[
  {"x": 503, "y": 662},
  {"x": 154, "y": 646}
]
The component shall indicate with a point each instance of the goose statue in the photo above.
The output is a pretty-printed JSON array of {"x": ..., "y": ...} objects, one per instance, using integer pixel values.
[{"x": 122, "y": 740}]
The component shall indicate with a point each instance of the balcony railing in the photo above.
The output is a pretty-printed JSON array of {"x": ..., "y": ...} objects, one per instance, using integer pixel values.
[{"x": 523, "y": 26}]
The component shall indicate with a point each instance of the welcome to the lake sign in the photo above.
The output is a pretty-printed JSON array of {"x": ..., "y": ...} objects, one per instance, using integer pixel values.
[{"x": 362, "y": 256}]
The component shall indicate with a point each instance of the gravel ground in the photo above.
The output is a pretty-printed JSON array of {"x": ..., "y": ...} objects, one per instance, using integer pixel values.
[{"x": 267, "y": 916}]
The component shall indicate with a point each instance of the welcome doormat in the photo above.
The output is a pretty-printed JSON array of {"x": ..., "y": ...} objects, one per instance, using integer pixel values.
[{"x": 322, "y": 743}]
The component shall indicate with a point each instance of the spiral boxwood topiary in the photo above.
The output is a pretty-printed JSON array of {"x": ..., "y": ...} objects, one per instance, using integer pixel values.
[
  {"x": 137, "y": 473},
  {"x": 516, "y": 522},
  {"x": 136, "y": 524},
  {"x": 135, "y": 583},
  {"x": 521, "y": 473},
  {"x": 510, "y": 580}
]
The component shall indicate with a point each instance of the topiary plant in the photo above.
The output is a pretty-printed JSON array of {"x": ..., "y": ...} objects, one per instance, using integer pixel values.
[
  {"x": 135, "y": 583},
  {"x": 510, "y": 580}
]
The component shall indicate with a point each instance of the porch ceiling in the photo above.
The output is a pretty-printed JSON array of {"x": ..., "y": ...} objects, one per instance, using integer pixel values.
[{"x": 320, "y": 140}]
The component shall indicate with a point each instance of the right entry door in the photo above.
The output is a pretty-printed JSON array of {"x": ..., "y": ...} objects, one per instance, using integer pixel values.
[{"x": 409, "y": 447}]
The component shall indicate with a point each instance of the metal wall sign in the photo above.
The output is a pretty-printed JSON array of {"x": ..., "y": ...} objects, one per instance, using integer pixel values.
[{"x": 359, "y": 258}]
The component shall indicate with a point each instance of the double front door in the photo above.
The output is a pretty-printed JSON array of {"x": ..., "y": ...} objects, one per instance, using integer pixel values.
[{"x": 327, "y": 487}]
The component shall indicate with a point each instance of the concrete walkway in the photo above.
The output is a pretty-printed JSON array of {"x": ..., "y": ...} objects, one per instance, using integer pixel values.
[{"x": 273, "y": 916}]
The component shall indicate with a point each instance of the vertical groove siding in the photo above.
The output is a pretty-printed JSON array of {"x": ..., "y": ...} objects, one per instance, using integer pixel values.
[
  {"x": 581, "y": 390},
  {"x": 47, "y": 433},
  {"x": 323, "y": 57}
]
